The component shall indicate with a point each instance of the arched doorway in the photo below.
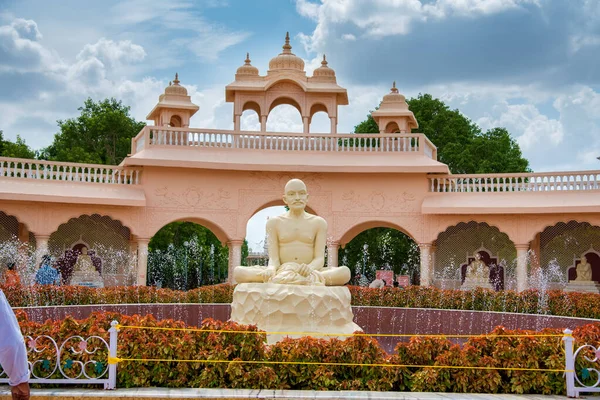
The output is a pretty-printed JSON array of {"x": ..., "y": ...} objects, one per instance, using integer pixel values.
[
  {"x": 284, "y": 117},
  {"x": 456, "y": 247},
  {"x": 107, "y": 242},
  {"x": 378, "y": 249},
  {"x": 17, "y": 247},
  {"x": 185, "y": 255},
  {"x": 561, "y": 248}
]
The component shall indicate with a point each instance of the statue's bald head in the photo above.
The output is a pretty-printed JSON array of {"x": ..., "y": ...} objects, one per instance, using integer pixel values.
[{"x": 294, "y": 184}]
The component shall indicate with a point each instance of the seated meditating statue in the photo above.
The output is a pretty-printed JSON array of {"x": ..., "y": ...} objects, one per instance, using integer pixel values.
[
  {"x": 84, "y": 271},
  {"x": 584, "y": 271},
  {"x": 477, "y": 274},
  {"x": 295, "y": 292},
  {"x": 296, "y": 248},
  {"x": 84, "y": 262}
]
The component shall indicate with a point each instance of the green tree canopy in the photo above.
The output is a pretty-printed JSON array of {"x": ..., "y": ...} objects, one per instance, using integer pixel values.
[
  {"x": 185, "y": 255},
  {"x": 100, "y": 135},
  {"x": 460, "y": 143},
  {"x": 17, "y": 149}
]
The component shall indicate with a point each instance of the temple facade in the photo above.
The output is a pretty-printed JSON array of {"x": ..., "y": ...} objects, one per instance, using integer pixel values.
[{"x": 517, "y": 223}]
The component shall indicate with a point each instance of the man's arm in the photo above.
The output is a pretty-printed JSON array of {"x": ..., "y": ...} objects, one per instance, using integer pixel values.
[
  {"x": 13, "y": 356},
  {"x": 319, "y": 247}
]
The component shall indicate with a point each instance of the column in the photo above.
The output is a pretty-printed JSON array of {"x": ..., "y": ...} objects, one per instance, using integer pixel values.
[
  {"x": 23, "y": 246},
  {"x": 263, "y": 123},
  {"x": 425, "y": 249},
  {"x": 522, "y": 250},
  {"x": 306, "y": 124},
  {"x": 333, "y": 121},
  {"x": 41, "y": 248},
  {"x": 235, "y": 258},
  {"x": 332, "y": 254},
  {"x": 237, "y": 123},
  {"x": 129, "y": 268},
  {"x": 142, "y": 261}
]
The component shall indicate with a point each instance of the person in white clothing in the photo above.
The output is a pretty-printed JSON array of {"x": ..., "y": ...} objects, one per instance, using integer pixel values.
[{"x": 13, "y": 355}]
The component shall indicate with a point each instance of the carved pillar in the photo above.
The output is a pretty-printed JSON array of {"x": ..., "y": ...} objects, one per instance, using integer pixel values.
[
  {"x": 235, "y": 258},
  {"x": 432, "y": 251},
  {"x": 23, "y": 246},
  {"x": 425, "y": 249},
  {"x": 127, "y": 269},
  {"x": 333, "y": 121},
  {"x": 237, "y": 123},
  {"x": 522, "y": 250},
  {"x": 306, "y": 124},
  {"x": 263, "y": 123},
  {"x": 142, "y": 262},
  {"x": 332, "y": 254},
  {"x": 41, "y": 248}
]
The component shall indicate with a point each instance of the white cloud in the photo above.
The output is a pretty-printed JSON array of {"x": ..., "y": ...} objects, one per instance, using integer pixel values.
[
  {"x": 113, "y": 53},
  {"x": 380, "y": 18},
  {"x": 20, "y": 50}
]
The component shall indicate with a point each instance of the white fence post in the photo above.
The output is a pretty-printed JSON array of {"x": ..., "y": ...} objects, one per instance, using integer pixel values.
[
  {"x": 569, "y": 363},
  {"x": 112, "y": 355}
]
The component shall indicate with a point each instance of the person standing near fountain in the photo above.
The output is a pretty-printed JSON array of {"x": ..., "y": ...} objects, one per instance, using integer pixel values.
[
  {"x": 13, "y": 355},
  {"x": 11, "y": 276},
  {"x": 47, "y": 274}
]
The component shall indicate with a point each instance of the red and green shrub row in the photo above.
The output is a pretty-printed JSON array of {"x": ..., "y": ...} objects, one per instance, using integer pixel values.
[
  {"x": 49, "y": 295},
  {"x": 554, "y": 302},
  {"x": 427, "y": 352}
]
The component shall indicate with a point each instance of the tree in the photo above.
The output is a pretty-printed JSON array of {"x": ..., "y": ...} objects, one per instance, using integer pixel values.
[
  {"x": 460, "y": 143},
  {"x": 17, "y": 149},
  {"x": 185, "y": 255},
  {"x": 100, "y": 135},
  {"x": 462, "y": 146}
]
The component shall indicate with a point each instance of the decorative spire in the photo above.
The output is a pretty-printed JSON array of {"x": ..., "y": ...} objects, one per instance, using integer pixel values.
[
  {"x": 324, "y": 62},
  {"x": 170, "y": 83},
  {"x": 247, "y": 60},
  {"x": 176, "y": 81},
  {"x": 394, "y": 90},
  {"x": 287, "y": 48}
]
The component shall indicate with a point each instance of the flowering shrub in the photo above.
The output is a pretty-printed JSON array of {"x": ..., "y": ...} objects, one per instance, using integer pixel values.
[
  {"x": 423, "y": 352},
  {"x": 554, "y": 302}
]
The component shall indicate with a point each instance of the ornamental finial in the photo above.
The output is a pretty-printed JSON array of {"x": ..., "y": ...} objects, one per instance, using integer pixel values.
[{"x": 176, "y": 81}]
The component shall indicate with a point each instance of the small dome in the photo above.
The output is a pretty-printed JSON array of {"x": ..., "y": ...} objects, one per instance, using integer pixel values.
[
  {"x": 324, "y": 73},
  {"x": 286, "y": 59},
  {"x": 175, "y": 88},
  {"x": 394, "y": 100},
  {"x": 247, "y": 68}
]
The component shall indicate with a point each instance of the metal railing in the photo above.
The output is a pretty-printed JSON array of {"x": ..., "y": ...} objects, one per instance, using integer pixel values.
[
  {"x": 52, "y": 363},
  {"x": 525, "y": 182},
  {"x": 71, "y": 172},
  {"x": 152, "y": 136}
]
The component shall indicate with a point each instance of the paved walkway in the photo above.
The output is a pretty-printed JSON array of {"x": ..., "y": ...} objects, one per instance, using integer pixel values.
[{"x": 166, "y": 393}]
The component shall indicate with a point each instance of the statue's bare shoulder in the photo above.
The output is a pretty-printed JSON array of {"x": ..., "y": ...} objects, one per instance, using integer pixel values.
[{"x": 316, "y": 220}]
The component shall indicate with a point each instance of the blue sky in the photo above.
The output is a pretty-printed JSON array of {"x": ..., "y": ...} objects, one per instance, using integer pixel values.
[{"x": 532, "y": 66}]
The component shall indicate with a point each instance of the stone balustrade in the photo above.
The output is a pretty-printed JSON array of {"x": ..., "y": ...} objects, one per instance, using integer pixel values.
[
  {"x": 525, "y": 182},
  {"x": 71, "y": 172},
  {"x": 314, "y": 142}
]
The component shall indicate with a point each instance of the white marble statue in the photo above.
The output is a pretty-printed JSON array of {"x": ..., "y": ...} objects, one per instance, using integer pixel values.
[
  {"x": 584, "y": 271},
  {"x": 295, "y": 292},
  {"x": 477, "y": 274},
  {"x": 84, "y": 272},
  {"x": 296, "y": 248}
]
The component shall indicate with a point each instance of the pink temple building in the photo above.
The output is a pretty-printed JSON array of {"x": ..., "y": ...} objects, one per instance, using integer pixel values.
[{"x": 221, "y": 178}]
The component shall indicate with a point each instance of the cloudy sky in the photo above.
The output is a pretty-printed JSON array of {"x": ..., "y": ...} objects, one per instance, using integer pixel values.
[{"x": 532, "y": 66}]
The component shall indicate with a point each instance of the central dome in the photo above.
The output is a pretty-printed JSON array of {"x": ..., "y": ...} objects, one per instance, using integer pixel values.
[{"x": 286, "y": 59}]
